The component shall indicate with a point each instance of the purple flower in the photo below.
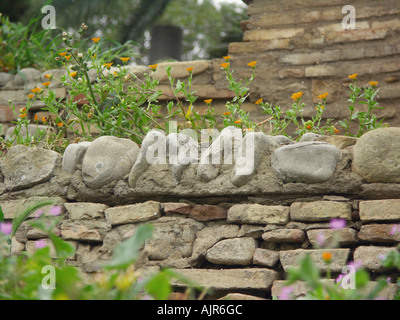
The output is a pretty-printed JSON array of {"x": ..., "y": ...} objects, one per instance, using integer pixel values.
[
  {"x": 55, "y": 210},
  {"x": 320, "y": 239},
  {"x": 355, "y": 264},
  {"x": 6, "y": 228},
  {"x": 286, "y": 293},
  {"x": 40, "y": 244},
  {"x": 339, "y": 278},
  {"x": 337, "y": 224}
]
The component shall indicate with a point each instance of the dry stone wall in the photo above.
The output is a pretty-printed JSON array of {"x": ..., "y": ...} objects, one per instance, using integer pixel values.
[{"x": 229, "y": 236}]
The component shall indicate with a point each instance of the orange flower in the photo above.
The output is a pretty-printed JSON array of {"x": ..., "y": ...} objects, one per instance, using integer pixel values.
[
  {"x": 336, "y": 130},
  {"x": 35, "y": 118},
  {"x": 327, "y": 257},
  {"x": 189, "y": 69},
  {"x": 62, "y": 54},
  {"x": 73, "y": 74},
  {"x": 373, "y": 83},
  {"x": 225, "y": 65},
  {"x": 44, "y": 120},
  {"x": 68, "y": 57},
  {"x": 153, "y": 67},
  {"x": 124, "y": 59},
  {"x": 22, "y": 110},
  {"x": 108, "y": 65},
  {"x": 227, "y": 113},
  {"x": 238, "y": 121},
  {"x": 46, "y": 84},
  {"x": 227, "y": 58},
  {"x": 308, "y": 127},
  {"x": 36, "y": 90},
  {"x": 259, "y": 101},
  {"x": 48, "y": 76},
  {"x": 23, "y": 115},
  {"x": 252, "y": 64},
  {"x": 208, "y": 101},
  {"x": 95, "y": 40},
  {"x": 60, "y": 124},
  {"x": 353, "y": 76},
  {"x": 30, "y": 96},
  {"x": 297, "y": 95},
  {"x": 323, "y": 96}
]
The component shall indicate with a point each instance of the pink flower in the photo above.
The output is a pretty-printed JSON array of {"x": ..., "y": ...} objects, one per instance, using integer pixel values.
[
  {"x": 6, "y": 228},
  {"x": 337, "y": 224},
  {"x": 286, "y": 293},
  {"x": 40, "y": 244},
  {"x": 355, "y": 264},
  {"x": 55, "y": 210},
  {"x": 395, "y": 229},
  {"x": 320, "y": 239},
  {"x": 38, "y": 213}
]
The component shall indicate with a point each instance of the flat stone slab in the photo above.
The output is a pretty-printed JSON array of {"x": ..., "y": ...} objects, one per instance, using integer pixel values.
[
  {"x": 228, "y": 279},
  {"x": 134, "y": 213},
  {"x": 258, "y": 214},
  {"x": 371, "y": 256},
  {"x": 24, "y": 167},
  {"x": 376, "y": 155},
  {"x": 380, "y": 210},
  {"x": 291, "y": 258},
  {"x": 306, "y": 162},
  {"x": 320, "y": 211},
  {"x": 232, "y": 251}
]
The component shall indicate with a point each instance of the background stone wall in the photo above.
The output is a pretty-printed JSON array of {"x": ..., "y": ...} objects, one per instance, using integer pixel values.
[{"x": 232, "y": 236}]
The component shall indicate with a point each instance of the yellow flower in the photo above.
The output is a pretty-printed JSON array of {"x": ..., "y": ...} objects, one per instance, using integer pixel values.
[
  {"x": 48, "y": 76},
  {"x": 108, "y": 65},
  {"x": 297, "y": 95},
  {"x": 208, "y": 101},
  {"x": 353, "y": 76},
  {"x": 323, "y": 96},
  {"x": 124, "y": 59},
  {"x": 227, "y": 113},
  {"x": 373, "y": 83},
  {"x": 68, "y": 57},
  {"x": 252, "y": 64},
  {"x": 30, "y": 96},
  {"x": 153, "y": 67},
  {"x": 327, "y": 257},
  {"x": 46, "y": 84},
  {"x": 62, "y": 54},
  {"x": 36, "y": 90},
  {"x": 227, "y": 58},
  {"x": 95, "y": 40},
  {"x": 73, "y": 74},
  {"x": 225, "y": 65},
  {"x": 259, "y": 101},
  {"x": 189, "y": 69},
  {"x": 238, "y": 121}
]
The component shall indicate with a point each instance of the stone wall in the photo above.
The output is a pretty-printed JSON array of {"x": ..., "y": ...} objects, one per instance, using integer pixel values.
[
  {"x": 235, "y": 234},
  {"x": 301, "y": 46}
]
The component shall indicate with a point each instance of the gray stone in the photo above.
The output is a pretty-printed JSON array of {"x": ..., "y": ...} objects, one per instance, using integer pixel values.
[
  {"x": 376, "y": 156},
  {"x": 228, "y": 279},
  {"x": 24, "y": 167},
  {"x": 380, "y": 233},
  {"x": 133, "y": 213},
  {"x": 284, "y": 235},
  {"x": 371, "y": 257},
  {"x": 265, "y": 257},
  {"x": 79, "y": 232},
  {"x": 320, "y": 211},
  {"x": 306, "y": 162},
  {"x": 85, "y": 210},
  {"x": 282, "y": 140},
  {"x": 28, "y": 76},
  {"x": 5, "y": 78},
  {"x": 254, "y": 147},
  {"x": 380, "y": 210},
  {"x": 153, "y": 150},
  {"x": 108, "y": 159},
  {"x": 291, "y": 258},
  {"x": 232, "y": 251},
  {"x": 223, "y": 150},
  {"x": 332, "y": 237},
  {"x": 182, "y": 150},
  {"x": 73, "y": 155},
  {"x": 258, "y": 214}
]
